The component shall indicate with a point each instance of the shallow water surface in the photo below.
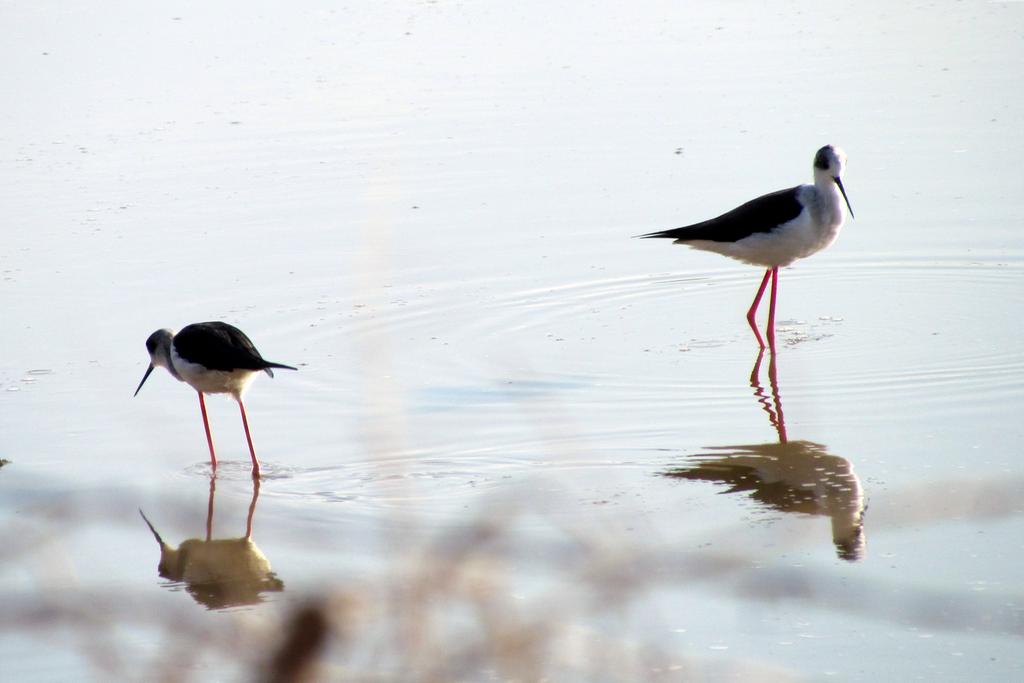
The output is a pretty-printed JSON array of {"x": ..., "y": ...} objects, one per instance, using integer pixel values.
[{"x": 510, "y": 419}]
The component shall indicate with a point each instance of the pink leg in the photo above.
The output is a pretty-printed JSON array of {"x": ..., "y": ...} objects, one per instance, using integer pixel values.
[
  {"x": 209, "y": 437},
  {"x": 771, "y": 309},
  {"x": 752, "y": 313},
  {"x": 252, "y": 451}
]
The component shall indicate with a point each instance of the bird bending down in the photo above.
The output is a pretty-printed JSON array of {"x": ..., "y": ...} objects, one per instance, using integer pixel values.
[
  {"x": 212, "y": 358},
  {"x": 776, "y": 229}
]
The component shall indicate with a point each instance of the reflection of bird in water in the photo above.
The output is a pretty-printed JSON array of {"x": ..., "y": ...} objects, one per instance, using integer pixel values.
[
  {"x": 795, "y": 476},
  {"x": 776, "y": 229},
  {"x": 789, "y": 476},
  {"x": 212, "y": 358},
  {"x": 219, "y": 573}
]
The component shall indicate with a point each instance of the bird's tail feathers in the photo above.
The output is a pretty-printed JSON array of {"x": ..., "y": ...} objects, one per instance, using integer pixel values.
[{"x": 660, "y": 233}]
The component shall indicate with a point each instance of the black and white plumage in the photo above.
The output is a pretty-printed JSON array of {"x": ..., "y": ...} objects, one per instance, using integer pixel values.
[
  {"x": 212, "y": 358},
  {"x": 776, "y": 229}
]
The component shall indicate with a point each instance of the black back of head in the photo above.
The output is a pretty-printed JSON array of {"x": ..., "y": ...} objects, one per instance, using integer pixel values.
[{"x": 823, "y": 159}]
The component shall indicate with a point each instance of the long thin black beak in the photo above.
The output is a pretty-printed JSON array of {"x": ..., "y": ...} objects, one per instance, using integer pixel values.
[
  {"x": 150, "y": 369},
  {"x": 843, "y": 190}
]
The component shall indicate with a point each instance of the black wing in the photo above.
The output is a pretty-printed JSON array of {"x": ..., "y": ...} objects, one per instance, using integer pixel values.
[
  {"x": 763, "y": 214},
  {"x": 219, "y": 346}
]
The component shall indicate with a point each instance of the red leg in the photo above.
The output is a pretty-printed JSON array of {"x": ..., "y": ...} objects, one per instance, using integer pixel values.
[
  {"x": 771, "y": 309},
  {"x": 248, "y": 437},
  {"x": 209, "y": 437},
  {"x": 752, "y": 313}
]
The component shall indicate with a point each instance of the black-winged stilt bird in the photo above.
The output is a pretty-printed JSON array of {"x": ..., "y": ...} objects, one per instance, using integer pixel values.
[
  {"x": 212, "y": 358},
  {"x": 776, "y": 229}
]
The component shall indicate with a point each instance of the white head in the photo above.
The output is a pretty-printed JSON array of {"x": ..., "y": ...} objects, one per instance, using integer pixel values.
[
  {"x": 829, "y": 163},
  {"x": 159, "y": 346}
]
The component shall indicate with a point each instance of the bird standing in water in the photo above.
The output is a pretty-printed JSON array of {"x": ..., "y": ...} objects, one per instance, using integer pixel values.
[
  {"x": 776, "y": 229},
  {"x": 212, "y": 358}
]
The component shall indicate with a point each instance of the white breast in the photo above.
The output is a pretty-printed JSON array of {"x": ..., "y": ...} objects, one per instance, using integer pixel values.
[
  {"x": 234, "y": 382},
  {"x": 814, "y": 229}
]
